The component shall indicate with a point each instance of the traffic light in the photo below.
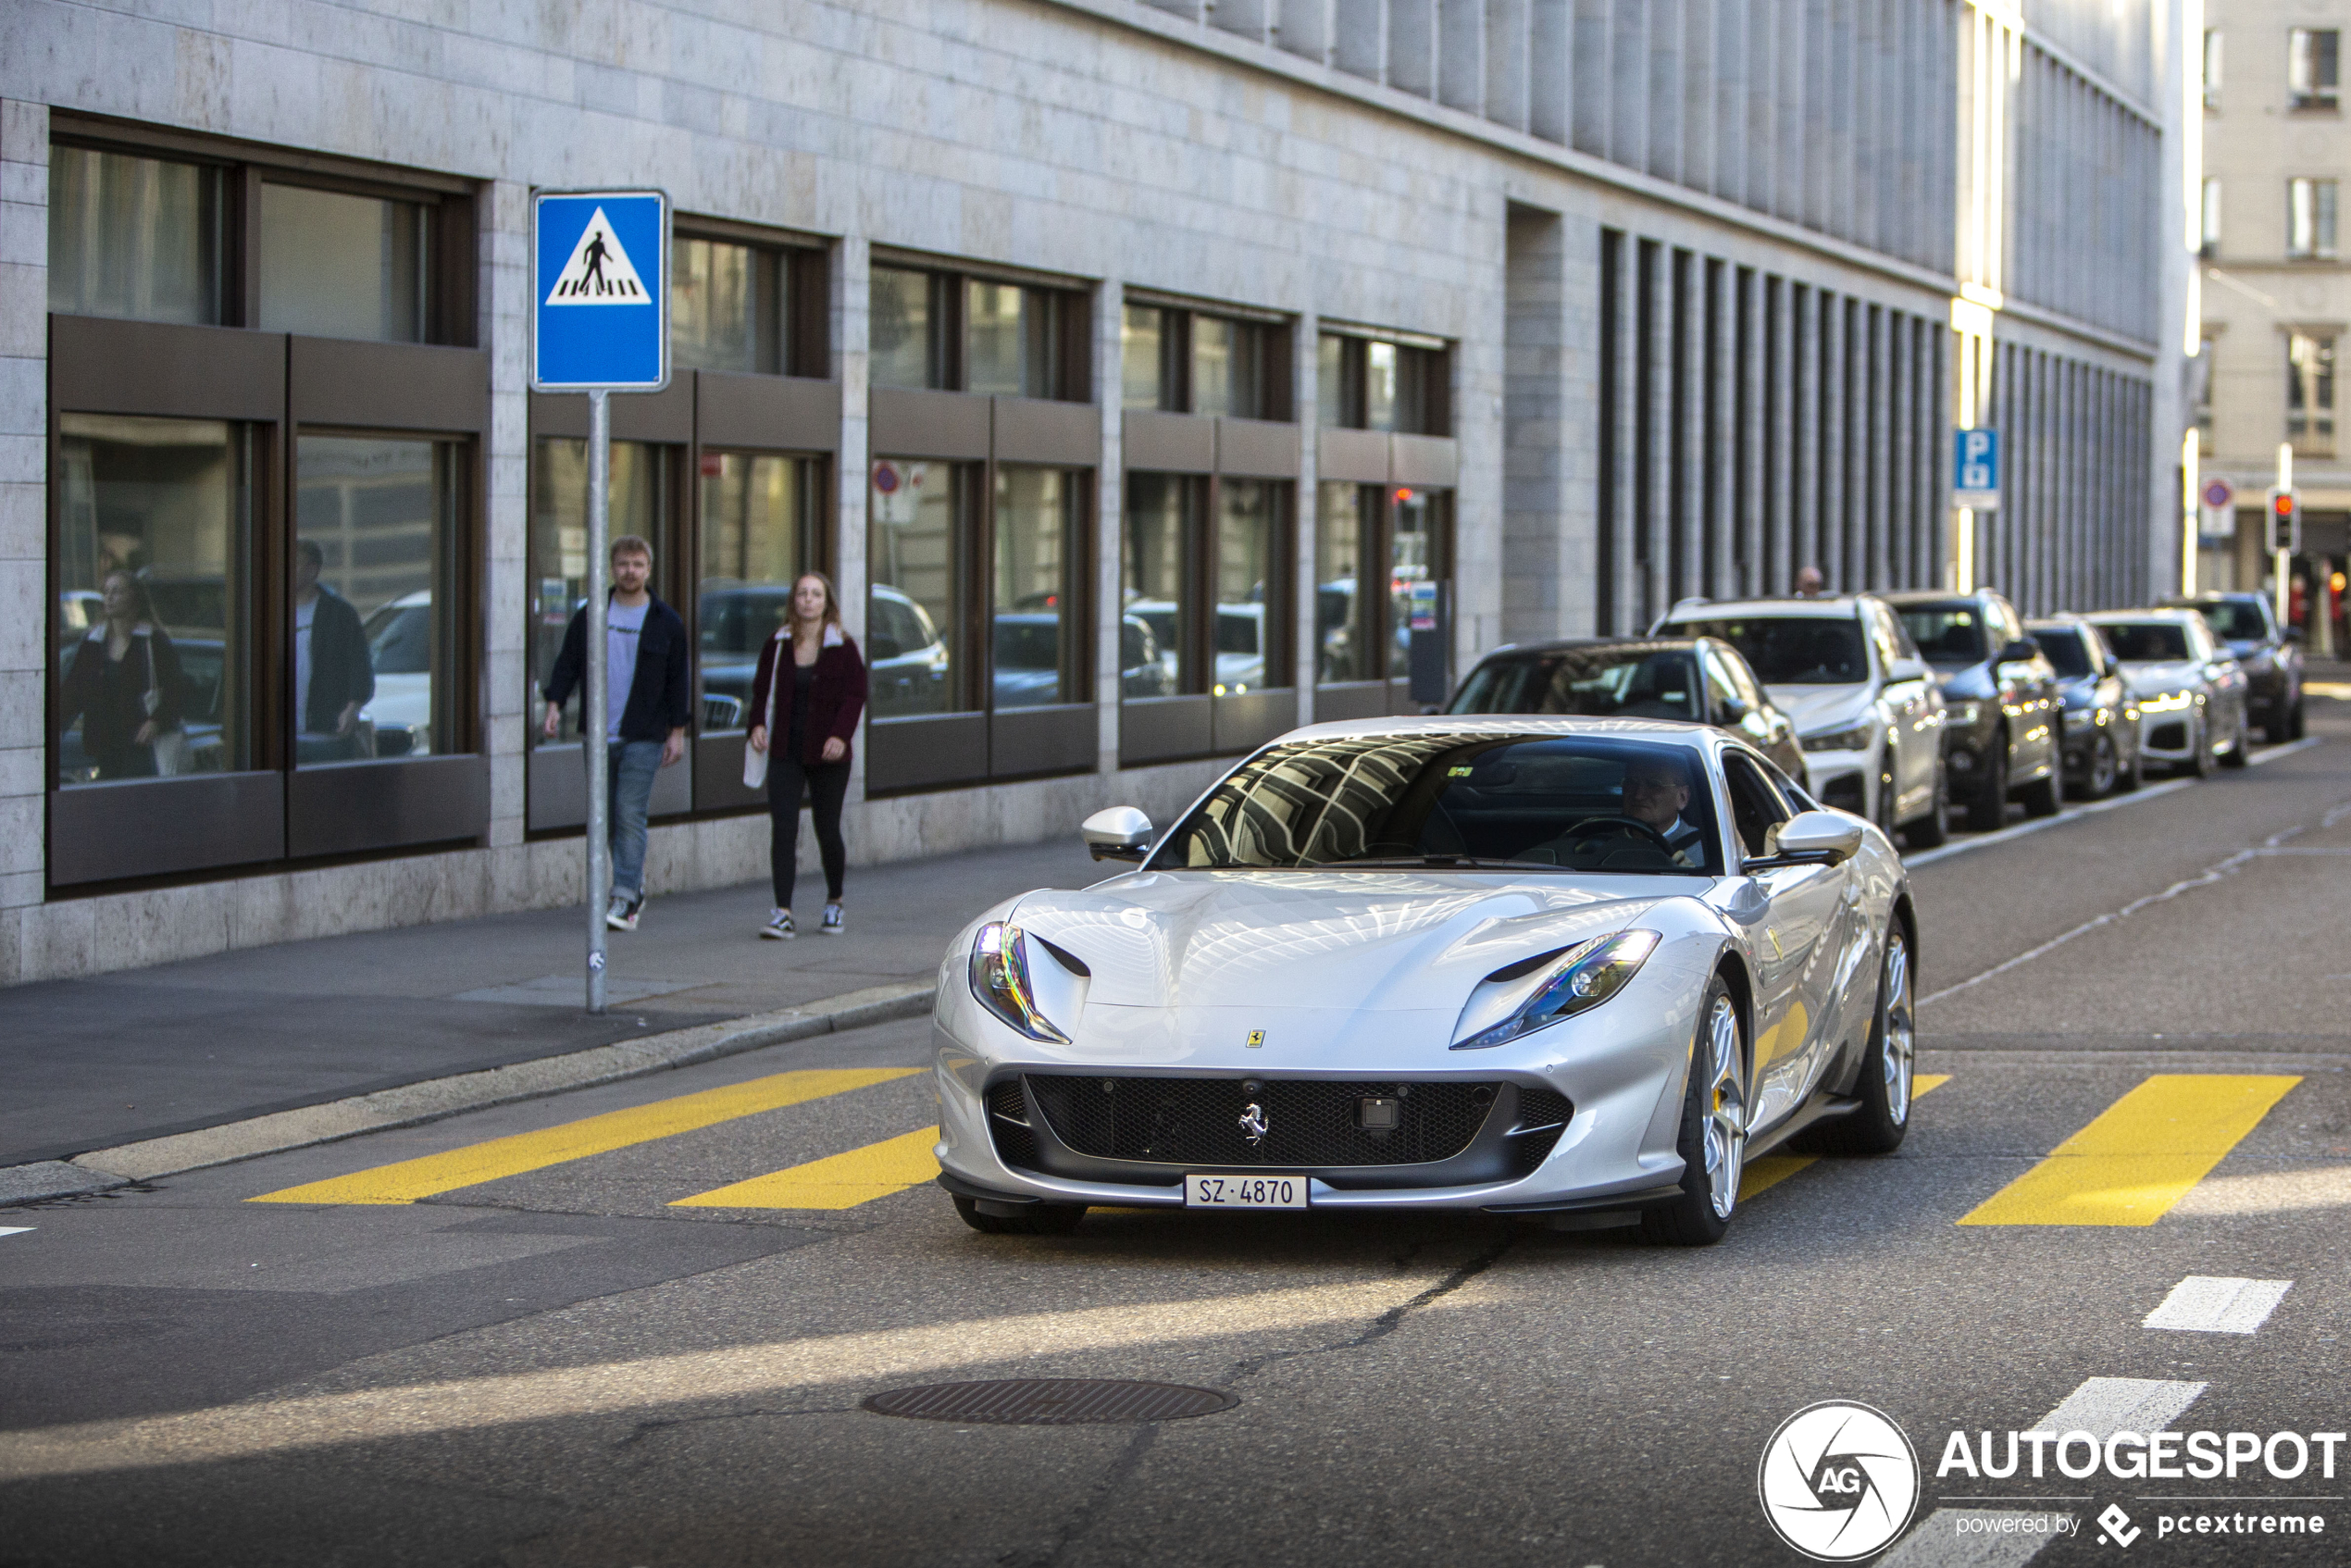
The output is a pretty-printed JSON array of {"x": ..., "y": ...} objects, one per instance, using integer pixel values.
[{"x": 2284, "y": 529}]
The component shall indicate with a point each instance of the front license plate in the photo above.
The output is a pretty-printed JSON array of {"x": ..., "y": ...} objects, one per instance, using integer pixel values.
[{"x": 1244, "y": 1192}]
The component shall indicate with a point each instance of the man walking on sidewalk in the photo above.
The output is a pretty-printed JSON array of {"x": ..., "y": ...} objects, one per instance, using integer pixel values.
[{"x": 647, "y": 700}]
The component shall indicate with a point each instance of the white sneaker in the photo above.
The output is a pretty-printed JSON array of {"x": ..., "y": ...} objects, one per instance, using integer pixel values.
[
  {"x": 832, "y": 926},
  {"x": 779, "y": 927},
  {"x": 622, "y": 916}
]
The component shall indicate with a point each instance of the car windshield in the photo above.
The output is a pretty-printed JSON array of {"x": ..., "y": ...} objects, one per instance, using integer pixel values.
[
  {"x": 2235, "y": 619},
  {"x": 2147, "y": 641},
  {"x": 1951, "y": 636},
  {"x": 2065, "y": 652},
  {"x": 400, "y": 640},
  {"x": 1456, "y": 801},
  {"x": 1595, "y": 682},
  {"x": 1793, "y": 649},
  {"x": 1023, "y": 644}
]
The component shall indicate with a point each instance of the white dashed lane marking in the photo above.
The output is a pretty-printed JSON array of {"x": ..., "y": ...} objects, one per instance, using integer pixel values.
[
  {"x": 18, "y": 1229},
  {"x": 1985, "y": 1537},
  {"x": 2208, "y": 1305}
]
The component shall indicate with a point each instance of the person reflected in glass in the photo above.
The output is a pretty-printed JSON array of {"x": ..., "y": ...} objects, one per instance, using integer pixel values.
[
  {"x": 334, "y": 675},
  {"x": 124, "y": 683},
  {"x": 805, "y": 711},
  {"x": 648, "y": 699}
]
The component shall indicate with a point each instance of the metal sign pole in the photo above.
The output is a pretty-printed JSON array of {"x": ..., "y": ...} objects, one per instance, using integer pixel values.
[{"x": 592, "y": 719}]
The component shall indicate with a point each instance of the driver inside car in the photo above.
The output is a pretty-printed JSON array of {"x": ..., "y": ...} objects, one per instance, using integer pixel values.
[{"x": 1656, "y": 793}]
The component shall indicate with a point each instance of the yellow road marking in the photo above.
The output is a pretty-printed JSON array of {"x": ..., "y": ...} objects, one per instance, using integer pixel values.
[
  {"x": 2141, "y": 1156},
  {"x": 1767, "y": 1170},
  {"x": 430, "y": 1173},
  {"x": 838, "y": 1181}
]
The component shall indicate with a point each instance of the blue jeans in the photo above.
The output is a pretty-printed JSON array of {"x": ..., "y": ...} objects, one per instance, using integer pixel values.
[{"x": 629, "y": 766}]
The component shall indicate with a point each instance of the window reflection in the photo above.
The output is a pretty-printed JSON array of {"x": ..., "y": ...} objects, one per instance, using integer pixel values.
[
  {"x": 754, "y": 545},
  {"x": 1247, "y": 599},
  {"x": 640, "y": 504},
  {"x": 1344, "y": 647},
  {"x": 1142, "y": 335},
  {"x": 905, "y": 329},
  {"x": 725, "y": 307},
  {"x": 334, "y": 265},
  {"x": 154, "y": 522},
  {"x": 1413, "y": 559},
  {"x": 375, "y": 533},
  {"x": 1159, "y": 591},
  {"x": 1038, "y": 639},
  {"x": 912, "y": 620},
  {"x": 133, "y": 237}
]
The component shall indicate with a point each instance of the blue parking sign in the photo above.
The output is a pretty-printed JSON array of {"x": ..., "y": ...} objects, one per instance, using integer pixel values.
[
  {"x": 1975, "y": 469},
  {"x": 600, "y": 316}
]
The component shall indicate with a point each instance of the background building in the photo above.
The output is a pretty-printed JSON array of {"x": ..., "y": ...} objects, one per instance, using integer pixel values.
[
  {"x": 1127, "y": 365},
  {"x": 2274, "y": 296}
]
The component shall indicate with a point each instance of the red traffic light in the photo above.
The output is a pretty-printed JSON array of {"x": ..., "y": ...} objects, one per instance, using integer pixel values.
[{"x": 2282, "y": 528}]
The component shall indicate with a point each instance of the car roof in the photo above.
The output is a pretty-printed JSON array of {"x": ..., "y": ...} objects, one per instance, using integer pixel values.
[
  {"x": 2215, "y": 596},
  {"x": 1825, "y": 608},
  {"x": 1581, "y": 644},
  {"x": 2169, "y": 615},
  {"x": 1678, "y": 731},
  {"x": 1940, "y": 596}
]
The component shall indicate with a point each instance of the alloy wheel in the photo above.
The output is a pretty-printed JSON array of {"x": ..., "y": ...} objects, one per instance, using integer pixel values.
[
  {"x": 2103, "y": 766},
  {"x": 1900, "y": 1047},
  {"x": 1725, "y": 1147}
]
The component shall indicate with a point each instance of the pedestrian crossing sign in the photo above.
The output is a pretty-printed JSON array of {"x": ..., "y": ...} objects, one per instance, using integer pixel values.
[{"x": 600, "y": 315}]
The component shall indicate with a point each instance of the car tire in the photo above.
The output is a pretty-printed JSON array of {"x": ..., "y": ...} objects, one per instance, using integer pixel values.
[
  {"x": 2280, "y": 727},
  {"x": 2046, "y": 797},
  {"x": 1041, "y": 1219},
  {"x": 1885, "y": 807},
  {"x": 1987, "y": 811},
  {"x": 1889, "y": 1066},
  {"x": 2199, "y": 763},
  {"x": 2127, "y": 779},
  {"x": 1933, "y": 831},
  {"x": 2104, "y": 775},
  {"x": 1712, "y": 1143}
]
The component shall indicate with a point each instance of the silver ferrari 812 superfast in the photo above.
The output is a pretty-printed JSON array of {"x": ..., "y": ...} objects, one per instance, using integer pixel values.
[{"x": 1574, "y": 969}]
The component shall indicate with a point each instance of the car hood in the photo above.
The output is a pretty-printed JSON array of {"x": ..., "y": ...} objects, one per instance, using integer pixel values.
[
  {"x": 1815, "y": 708},
  {"x": 2157, "y": 675},
  {"x": 1356, "y": 942}
]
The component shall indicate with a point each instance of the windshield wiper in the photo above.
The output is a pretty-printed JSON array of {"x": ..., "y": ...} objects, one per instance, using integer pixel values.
[{"x": 1439, "y": 862}]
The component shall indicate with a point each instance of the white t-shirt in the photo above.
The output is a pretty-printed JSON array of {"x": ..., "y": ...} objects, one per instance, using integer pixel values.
[{"x": 622, "y": 629}]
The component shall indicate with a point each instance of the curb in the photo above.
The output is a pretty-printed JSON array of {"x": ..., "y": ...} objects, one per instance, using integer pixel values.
[{"x": 433, "y": 1099}]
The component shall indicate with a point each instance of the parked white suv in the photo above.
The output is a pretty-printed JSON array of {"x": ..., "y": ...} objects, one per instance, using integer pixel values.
[{"x": 1865, "y": 704}]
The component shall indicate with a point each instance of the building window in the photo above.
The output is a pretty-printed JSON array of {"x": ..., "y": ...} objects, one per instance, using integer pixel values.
[
  {"x": 2208, "y": 225},
  {"x": 374, "y": 647},
  {"x": 1345, "y": 646},
  {"x": 642, "y": 486},
  {"x": 1161, "y": 574},
  {"x": 1205, "y": 573},
  {"x": 909, "y": 329},
  {"x": 758, "y": 533},
  {"x": 727, "y": 307},
  {"x": 336, "y": 265},
  {"x": 2309, "y": 232},
  {"x": 2309, "y": 389},
  {"x": 1250, "y": 599},
  {"x": 1379, "y": 384},
  {"x": 946, "y": 332},
  {"x": 2212, "y": 70},
  {"x": 1186, "y": 362},
  {"x": 135, "y": 237},
  {"x": 2313, "y": 68},
  {"x": 1146, "y": 379},
  {"x": 153, "y": 615},
  {"x": 1037, "y": 642},
  {"x": 916, "y": 619}
]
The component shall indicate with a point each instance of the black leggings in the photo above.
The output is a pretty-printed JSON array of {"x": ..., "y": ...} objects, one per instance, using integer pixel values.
[{"x": 828, "y": 785}]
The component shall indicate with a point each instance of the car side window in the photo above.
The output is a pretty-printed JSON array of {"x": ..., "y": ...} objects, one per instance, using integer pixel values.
[
  {"x": 1723, "y": 692},
  {"x": 1756, "y": 808},
  {"x": 1882, "y": 633}
]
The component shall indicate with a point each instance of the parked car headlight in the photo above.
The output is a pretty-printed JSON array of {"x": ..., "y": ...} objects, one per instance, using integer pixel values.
[
  {"x": 2169, "y": 701},
  {"x": 1575, "y": 981},
  {"x": 1000, "y": 979},
  {"x": 1856, "y": 739}
]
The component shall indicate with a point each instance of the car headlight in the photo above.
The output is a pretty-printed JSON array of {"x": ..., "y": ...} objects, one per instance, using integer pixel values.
[
  {"x": 1530, "y": 998},
  {"x": 1000, "y": 979},
  {"x": 2170, "y": 702},
  {"x": 1854, "y": 739}
]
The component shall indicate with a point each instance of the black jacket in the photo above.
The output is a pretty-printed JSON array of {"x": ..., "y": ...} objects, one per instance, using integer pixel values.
[
  {"x": 341, "y": 672},
  {"x": 660, "y": 699}
]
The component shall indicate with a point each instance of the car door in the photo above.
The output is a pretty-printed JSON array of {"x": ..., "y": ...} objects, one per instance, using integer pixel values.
[
  {"x": 2224, "y": 678},
  {"x": 1795, "y": 922},
  {"x": 1911, "y": 707}
]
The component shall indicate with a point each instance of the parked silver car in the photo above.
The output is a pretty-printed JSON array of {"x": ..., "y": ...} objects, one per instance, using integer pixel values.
[{"x": 2190, "y": 689}]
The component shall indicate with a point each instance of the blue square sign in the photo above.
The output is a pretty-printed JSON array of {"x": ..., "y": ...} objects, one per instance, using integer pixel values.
[{"x": 600, "y": 316}]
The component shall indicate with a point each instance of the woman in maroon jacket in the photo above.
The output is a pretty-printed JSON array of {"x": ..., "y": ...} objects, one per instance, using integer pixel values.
[{"x": 808, "y": 708}]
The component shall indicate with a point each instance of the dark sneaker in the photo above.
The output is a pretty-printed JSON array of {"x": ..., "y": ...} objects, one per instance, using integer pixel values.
[
  {"x": 831, "y": 926},
  {"x": 779, "y": 927},
  {"x": 622, "y": 916}
]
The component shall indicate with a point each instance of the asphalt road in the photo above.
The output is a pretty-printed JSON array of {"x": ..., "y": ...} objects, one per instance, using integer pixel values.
[{"x": 559, "y": 1366}]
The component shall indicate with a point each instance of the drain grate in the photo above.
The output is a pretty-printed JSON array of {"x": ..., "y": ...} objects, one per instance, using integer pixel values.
[{"x": 1050, "y": 1401}]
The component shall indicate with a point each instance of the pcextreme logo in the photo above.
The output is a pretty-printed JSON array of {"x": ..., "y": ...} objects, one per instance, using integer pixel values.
[{"x": 1838, "y": 1481}]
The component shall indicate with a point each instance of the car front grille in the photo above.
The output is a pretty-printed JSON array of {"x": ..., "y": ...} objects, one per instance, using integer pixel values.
[
  {"x": 2172, "y": 737},
  {"x": 1542, "y": 1115},
  {"x": 1307, "y": 1122},
  {"x": 1008, "y": 1119}
]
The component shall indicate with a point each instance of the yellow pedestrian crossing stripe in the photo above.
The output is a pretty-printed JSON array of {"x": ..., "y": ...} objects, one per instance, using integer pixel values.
[
  {"x": 839, "y": 1181},
  {"x": 1766, "y": 1172},
  {"x": 433, "y": 1173},
  {"x": 2141, "y": 1156}
]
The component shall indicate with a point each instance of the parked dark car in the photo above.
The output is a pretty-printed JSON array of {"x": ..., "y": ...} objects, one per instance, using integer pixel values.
[
  {"x": 2269, "y": 653},
  {"x": 2002, "y": 710},
  {"x": 2101, "y": 734},
  {"x": 1703, "y": 679}
]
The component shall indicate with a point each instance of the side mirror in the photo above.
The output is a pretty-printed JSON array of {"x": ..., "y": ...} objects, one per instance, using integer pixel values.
[
  {"x": 1905, "y": 669},
  {"x": 1814, "y": 838},
  {"x": 1119, "y": 833},
  {"x": 2023, "y": 651}
]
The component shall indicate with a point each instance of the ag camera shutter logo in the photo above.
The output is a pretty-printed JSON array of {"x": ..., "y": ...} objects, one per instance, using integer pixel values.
[{"x": 1838, "y": 1481}]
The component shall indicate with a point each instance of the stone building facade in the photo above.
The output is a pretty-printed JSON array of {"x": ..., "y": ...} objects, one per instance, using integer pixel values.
[{"x": 1130, "y": 367}]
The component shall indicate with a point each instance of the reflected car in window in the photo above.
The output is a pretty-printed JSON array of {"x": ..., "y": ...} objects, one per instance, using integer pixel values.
[
  {"x": 1702, "y": 679},
  {"x": 734, "y": 621},
  {"x": 400, "y": 648},
  {"x": 906, "y": 660},
  {"x": 2001, "y": 709},
  {"x": 1142, "y": 673},
  {"x": 1028, "y": 664},
  {"x": 203, "y": 663},
  {"x": 2101, "y": 717},
  {"x": 2189, "y": 688},
  {"x": 1240, "y": 648},
  {"x": 2270, "y": 653}
]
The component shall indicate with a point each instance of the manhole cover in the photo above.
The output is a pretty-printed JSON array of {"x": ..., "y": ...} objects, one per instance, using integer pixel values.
[{"x": 1050, "y": 1401}]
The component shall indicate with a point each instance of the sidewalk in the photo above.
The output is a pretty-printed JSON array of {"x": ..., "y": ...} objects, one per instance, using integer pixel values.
[{"x": 94, "y": 1062}]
